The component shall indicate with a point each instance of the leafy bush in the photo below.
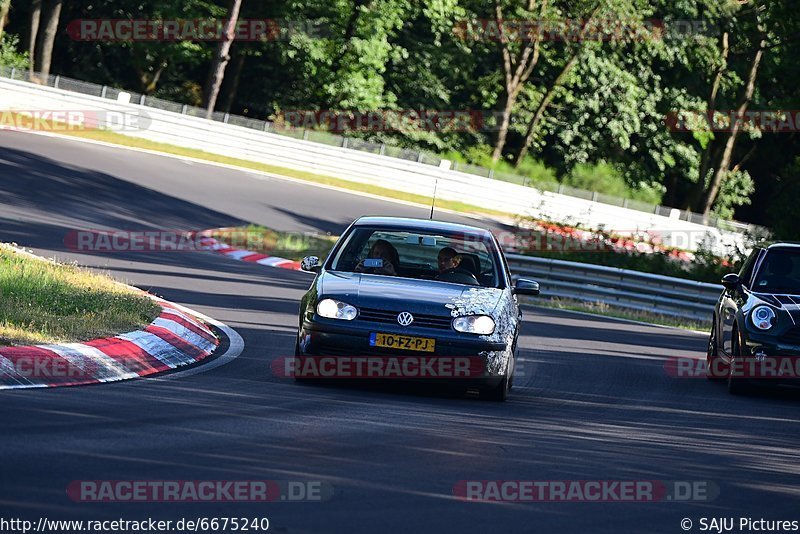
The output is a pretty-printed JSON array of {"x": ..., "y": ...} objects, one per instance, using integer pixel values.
[
  {"x": 536, "y": 172},
  {"x": 9, "y": 56},
  {"x": 604, "y": 178}
]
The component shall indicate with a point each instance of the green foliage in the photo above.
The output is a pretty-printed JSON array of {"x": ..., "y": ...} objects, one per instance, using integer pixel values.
[
  {"x": 736, "y": 190},
  {"x": 604, "y": 178},
  {"x": 604, "y": 128},
  {"x": 9, "y": 56}
]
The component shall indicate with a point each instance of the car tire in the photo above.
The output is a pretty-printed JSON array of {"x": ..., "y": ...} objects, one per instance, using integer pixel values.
[
  {"x": 712, "y": 355},
  {"x": 737, "y": 386},
  {"x": 499, "y": 393},
  {"x": 297, "y": 355}
]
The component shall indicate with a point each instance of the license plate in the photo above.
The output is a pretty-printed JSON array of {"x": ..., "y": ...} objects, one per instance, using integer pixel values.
[{"x": 394, "y": 341}]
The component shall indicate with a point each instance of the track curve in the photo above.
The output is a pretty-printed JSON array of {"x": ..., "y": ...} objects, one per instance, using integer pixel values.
[{"x": 594, "y": 404}]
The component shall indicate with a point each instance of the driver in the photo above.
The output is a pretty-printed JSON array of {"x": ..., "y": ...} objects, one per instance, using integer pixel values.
[
  {"x": 385, "y": 251},
  {"x": 448, "y": 259}
]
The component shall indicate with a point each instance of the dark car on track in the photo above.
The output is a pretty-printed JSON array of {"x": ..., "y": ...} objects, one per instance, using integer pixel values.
[
  {"x": 755, "y": 334},
  {"x": 404, "y": 288}
]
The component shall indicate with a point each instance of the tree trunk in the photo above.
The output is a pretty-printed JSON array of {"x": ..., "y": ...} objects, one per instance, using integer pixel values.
[
  {"x": 517, "y": 70},
  {"x": 222, "y": 58},
  {"x": 5, "y": 5},
  {"x": 49, "y": 37},
  {"x": 233, "y": 87},
  {"x": 725, "y": 161},
  {"x": 541, "y": 108},
  {"x": 36, "y": 15},
  {"x": 505, "y": 124}
]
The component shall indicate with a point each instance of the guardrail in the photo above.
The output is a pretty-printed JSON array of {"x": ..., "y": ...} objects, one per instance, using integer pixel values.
[
  {"x": 238, "y": 138},
  {"x": 622, "y": 288}
]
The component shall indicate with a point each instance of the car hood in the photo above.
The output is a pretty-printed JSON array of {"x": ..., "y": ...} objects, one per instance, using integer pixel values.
[{"x": 406, "y": 294}]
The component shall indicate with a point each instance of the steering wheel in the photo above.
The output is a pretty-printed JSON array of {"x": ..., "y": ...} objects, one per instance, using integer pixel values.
[{"x": 458, "y": 276}]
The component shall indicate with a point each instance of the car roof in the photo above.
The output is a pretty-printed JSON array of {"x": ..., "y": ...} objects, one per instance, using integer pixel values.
[
  {"x": 785, "y": 244},
  {"x": 404, "y": 223}
]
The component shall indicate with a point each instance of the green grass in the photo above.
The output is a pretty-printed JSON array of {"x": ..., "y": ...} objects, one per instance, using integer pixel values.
[
  {"x": 606, "y": 310},
  {"x": 46, "y": 302},
  {"x": 289, "y": 245}
]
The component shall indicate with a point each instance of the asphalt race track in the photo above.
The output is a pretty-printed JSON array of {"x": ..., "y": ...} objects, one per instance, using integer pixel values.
[{"x": 595, "y": 402}]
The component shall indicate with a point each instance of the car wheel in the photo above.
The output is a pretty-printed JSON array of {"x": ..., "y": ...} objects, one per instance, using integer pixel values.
[
  {"x": 499, "y": 393},
  {"x": 712, "y": 355},
  {"x": 737, "y": 386},
  {"x": 296, "y": 356}
]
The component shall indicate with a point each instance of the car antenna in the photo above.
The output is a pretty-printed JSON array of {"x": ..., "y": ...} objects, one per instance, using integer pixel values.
[{"x": 433, "y": 201}]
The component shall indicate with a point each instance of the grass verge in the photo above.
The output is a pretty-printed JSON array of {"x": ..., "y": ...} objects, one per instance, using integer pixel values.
[
  {"x": 46, "y": 302},
  {"x": 606, "y": 310},
  {"x": 289, "y": 245}
]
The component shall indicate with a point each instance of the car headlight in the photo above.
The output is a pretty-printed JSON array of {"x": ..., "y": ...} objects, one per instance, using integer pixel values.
[
  {"x": 334, "y": 309},
  {"x": 474, "y": 324},
  {"x": 763, "y": 317}
]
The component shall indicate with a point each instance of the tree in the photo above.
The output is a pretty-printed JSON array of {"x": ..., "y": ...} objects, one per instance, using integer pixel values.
[
  {"x": 221, "y": 58},
  {"x": 561, "y": 78},
  {"x": 517, "y": 69},
  {"x": 5, "y": 5},
  {"x": 49, "y": 37},
  {"x": 723, "y": 167},
  {"x": 36, "y": 14}
]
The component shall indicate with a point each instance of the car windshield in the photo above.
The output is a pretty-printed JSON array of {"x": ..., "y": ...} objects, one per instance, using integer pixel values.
[
  {"x": 460, "y": 258},
  {"x": 780, "y": 272}
]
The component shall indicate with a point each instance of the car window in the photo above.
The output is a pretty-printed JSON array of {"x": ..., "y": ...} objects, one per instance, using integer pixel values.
[
  {"x": 779, "y": 272},
  {"x": 441, "y": 256},
  {"x": 746, "y": 273}
]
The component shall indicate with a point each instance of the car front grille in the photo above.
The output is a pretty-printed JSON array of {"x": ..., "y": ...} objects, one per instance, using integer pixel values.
[
  {"x": 390, "y": 317},
  {"x": 792, "y": 336}
]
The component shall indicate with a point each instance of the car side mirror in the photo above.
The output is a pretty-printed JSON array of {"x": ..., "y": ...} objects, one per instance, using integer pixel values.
[
  {"x": 310, "y": 264},
  {"x": 731, "y": 281},
  {"x": 526, "y": 287}
]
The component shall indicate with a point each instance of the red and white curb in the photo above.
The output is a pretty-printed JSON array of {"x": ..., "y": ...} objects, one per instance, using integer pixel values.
[
  {"x": 209, "y": 243},
  {"x": 173, "y": 339}
]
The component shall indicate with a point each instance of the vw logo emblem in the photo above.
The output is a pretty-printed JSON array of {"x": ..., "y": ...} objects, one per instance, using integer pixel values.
[{"x": 405, "y": 318}]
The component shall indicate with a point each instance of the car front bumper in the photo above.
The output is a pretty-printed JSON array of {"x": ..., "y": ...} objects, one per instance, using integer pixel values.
[
  {"x": 351, "y": 340},
  {"x": 769, "y": 362}
]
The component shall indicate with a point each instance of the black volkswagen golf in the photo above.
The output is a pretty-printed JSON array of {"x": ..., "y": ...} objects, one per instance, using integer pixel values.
[
  {"x": 403, "y": 289},
  {"x": 755, "y": 335}
]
